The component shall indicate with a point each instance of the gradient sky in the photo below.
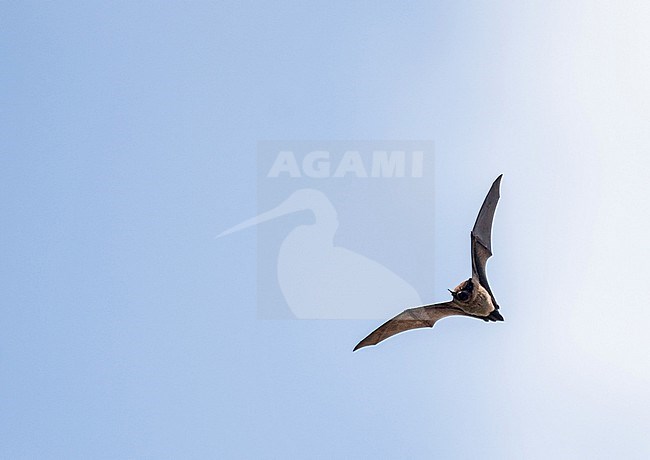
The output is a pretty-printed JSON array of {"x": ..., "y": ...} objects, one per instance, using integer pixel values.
[{"x": 128, "y": 136}]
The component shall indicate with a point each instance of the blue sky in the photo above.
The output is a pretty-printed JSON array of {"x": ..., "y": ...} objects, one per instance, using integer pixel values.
[{"x": 128, "y": 141}]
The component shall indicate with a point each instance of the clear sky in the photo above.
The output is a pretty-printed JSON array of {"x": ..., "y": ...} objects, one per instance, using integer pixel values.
[{"x": 128, "y": 141}]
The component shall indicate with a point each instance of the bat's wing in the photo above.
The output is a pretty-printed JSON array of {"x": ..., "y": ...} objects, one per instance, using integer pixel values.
[
  {"x": 412, "y": 318},
  {"x": 482, "y": 236}
]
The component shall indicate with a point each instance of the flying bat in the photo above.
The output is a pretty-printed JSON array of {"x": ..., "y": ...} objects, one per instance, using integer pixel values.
[{"x": 472, "y": 297}]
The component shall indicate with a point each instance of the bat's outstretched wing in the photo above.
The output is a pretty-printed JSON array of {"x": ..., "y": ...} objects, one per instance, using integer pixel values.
[
  {"x": 481, "y": 236},
  {"x": 412, "y": 318}
]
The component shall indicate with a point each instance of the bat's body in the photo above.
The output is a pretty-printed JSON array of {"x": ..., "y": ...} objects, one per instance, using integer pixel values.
[{"x": 472, "y": 297}]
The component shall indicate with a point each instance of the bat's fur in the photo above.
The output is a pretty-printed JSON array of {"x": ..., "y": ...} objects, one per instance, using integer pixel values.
[{"x": 479, "y": 302}]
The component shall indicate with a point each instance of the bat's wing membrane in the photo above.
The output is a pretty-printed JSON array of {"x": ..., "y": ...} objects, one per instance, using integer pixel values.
[
  {"x": 481, "y": 236},
  {"x": 413, "y": 318}
]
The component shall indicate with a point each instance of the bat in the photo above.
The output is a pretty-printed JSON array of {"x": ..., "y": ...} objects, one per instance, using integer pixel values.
[{"x": 473, "y": 297}]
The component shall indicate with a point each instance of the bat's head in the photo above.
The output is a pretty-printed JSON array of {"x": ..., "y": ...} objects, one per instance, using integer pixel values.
[{"x": 464, "y": 292}]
